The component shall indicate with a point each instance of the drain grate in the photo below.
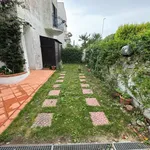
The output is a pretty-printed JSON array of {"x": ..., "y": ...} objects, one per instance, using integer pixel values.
[
  {"x": 31, "y": 147},
  {"x": 117, "y": 146},
  {"x": 83, "y": 147},
  {"x": 131, "y": 146}
]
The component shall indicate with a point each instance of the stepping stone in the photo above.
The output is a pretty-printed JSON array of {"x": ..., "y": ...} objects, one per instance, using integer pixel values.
[
  {"x": 85, "y": 85},
  {"x": 87, "y": 91},
  {"x": 54, "y": 93},
  {"x": 62, "y": 74},
  {"x": 92, "y": 102},
  {"x": 61, "y": 77},
  {"x": 56, "y": 85},
  {"x": 43, "y": 120},
  {"x": 81, "y": 74},
  {"x": 59, "y": 81},
  {"x": 82, "y": 80},
  {"x": 82, "y": 77},
  {"x": 50, "y": 103},
  {"x": 99, "y": 118}
]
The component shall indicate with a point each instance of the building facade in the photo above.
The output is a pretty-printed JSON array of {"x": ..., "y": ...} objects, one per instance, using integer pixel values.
[{"x": 42, "y": 20}]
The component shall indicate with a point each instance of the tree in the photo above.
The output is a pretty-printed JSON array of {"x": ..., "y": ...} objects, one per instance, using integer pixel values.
[
  {"x": 11, "y": 52},
  {"x": 84, "y": 39},
  {"x": 88, "y": 39},
  {"x": 95, "y": 37}
]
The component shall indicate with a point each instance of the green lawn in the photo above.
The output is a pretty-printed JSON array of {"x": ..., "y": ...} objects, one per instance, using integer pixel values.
[{"x": 71, "y": 122}]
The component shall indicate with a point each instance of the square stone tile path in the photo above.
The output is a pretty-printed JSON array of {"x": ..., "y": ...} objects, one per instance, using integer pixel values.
[
  {"x": 50, "y": 103},
  {"x": 92, "y": 102},
  {"x": 54, "y": 93},
  {"x": 61, "y": 77},
  {"x": 99, "y": 118},
  {"x": 82, "y": 77},
  {"x": 14, "y": 97},
  {"x": 85, "y": 85},
  {"x": 87, "y": 91},
  {"x": 56, "y": 85},
  {"x": 43, "y": 120},
  {"x": 62, "y": 74},
  {"x": 59, "y": 81},
  {"x": 81, "y": 74},
  {"x": 82, "y": 80}
]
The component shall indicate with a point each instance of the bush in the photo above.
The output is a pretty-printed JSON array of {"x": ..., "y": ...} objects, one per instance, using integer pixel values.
[
  {"x": 141, "y": 46},
  {"x": 102, "y": 55},
  {"x": 71, "y": 55},
  {"x": 128, "y": 31},
  {"x": 11, "y": 52}
]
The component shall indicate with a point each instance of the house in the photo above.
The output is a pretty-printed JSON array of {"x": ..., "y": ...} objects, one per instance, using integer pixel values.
[{"x": 44, "y": 33}]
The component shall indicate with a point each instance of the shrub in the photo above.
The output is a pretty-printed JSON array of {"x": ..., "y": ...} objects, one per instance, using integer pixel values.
[
  {"x": 128, "y": 31},
  {"x": 11, "y": 52},
  {"x": 109, "y": 38},
  {"x": 71, "y": 55},
  {"x": 141, "y": 46},
  {"x": 104, "y": 54}
]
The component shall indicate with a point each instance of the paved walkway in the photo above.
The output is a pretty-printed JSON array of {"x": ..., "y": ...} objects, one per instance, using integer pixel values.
[{"x": 14, "y": 97}]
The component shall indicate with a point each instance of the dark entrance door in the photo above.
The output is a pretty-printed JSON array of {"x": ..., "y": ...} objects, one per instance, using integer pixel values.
[
  {"x": 51, "y": 51},
  {"x": 48, "y": 51}
]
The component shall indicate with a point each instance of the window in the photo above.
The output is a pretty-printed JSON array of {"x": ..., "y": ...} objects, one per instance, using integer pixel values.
[{"x": 55, "y": 21}]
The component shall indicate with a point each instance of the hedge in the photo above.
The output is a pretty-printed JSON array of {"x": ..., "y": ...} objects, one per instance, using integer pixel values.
[{"x": 71, "y": 55}]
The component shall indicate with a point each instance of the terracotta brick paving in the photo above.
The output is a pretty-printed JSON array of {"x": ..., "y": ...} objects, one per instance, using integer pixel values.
[
  {"x": 92, "y": 102},
  {"x": 14, "y": 97},
  {"x": 50, "y": 103},
  {"x": 99, "y": 118},
  {"x": 43, "y": 120}
]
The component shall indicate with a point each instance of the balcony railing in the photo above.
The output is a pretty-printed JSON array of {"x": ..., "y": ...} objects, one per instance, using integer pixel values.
[{"x": 58, "y": 22}]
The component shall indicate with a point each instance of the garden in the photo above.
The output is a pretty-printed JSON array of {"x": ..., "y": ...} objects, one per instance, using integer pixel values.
[
  {"x": 118, "y": 89},
  {"x": 115, "y": 79}
]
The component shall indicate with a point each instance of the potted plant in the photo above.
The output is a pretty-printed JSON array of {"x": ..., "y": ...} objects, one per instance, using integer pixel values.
[
  {"x": 89, "y": 70},
  {"x": 117, "y": 92},
  {"x": 53, "y": 67},
  {"x": 125, "y": 99}
]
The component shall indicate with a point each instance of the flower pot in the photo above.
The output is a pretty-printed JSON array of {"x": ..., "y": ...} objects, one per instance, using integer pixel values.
[
  {"x": 89, "y": 70},
  {"x": 125, "y": 101},
  {"x": 114, "y": 95},
  {"x": 53, "y": 67}
]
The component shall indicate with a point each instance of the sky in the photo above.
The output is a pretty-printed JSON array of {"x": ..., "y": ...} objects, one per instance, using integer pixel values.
[{"x": 87, "y": 15}]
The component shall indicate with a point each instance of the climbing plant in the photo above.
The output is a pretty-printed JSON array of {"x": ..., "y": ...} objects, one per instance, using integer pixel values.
[{"x": 11, "y": 52}]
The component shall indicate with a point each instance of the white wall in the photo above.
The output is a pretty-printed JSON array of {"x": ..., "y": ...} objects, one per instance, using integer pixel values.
[
  {"x": 39, "y": 16},
  {"x": 13, "y": 80},
  {"x": 2, "y": 64}
]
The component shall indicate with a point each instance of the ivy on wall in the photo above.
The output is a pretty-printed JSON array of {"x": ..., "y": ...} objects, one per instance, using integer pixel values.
[{"x": 11, "y": 52}]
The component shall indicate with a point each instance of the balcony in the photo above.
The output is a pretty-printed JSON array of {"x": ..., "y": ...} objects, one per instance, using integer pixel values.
[{"x": 58, "y": 26}]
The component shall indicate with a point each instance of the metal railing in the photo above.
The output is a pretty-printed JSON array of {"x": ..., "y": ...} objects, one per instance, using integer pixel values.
[{"x": 58, "y": 22}]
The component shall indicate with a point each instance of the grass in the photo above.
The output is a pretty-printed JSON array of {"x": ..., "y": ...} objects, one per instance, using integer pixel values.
[{"x": 71, "y": 122}]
